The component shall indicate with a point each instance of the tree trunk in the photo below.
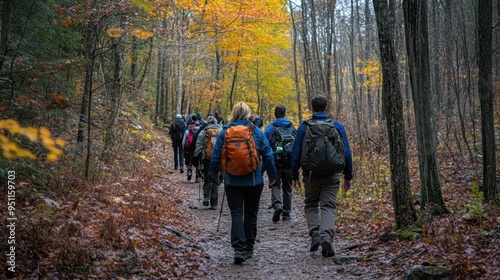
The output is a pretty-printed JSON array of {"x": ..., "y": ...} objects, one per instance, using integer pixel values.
[
  {"x": 295, "y": 66},
  {"x": 307, "y": 60},
  {"x": 159, "y": 82},
  {"x": 233, "y": 83},
  {"x": 415, "y": 15},
  {"x": 7, "y": 7},
  {"x": 133, "y": 62},
  {"x": 405, "y": 214},
  {"x": 485, "y": 87},
  {"x": 180, "y": 71},
  {"x": 116, "y": 97},
  {"x": 87, "y": 88}
]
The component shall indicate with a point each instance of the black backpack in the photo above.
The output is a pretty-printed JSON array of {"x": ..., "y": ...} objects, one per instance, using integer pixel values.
[
  {"x": 178, "y": 130},
  {"x": 322, "y": 149},
  {"x": 282, "y": 144}
]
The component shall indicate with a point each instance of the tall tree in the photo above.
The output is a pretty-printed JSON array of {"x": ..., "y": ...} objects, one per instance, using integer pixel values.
[
  {"x": 393, "y": 111},
  {"x": 7, "y": 7},
  {"x": 416, "y": 34},
  {"x": 484, "y": 14}
]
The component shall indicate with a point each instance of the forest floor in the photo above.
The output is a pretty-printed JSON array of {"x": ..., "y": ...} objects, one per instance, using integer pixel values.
[
  {"x": 282, "y": 248},
  {"x": 150, "y": 224},
  {"x": 363, "y": 250}
]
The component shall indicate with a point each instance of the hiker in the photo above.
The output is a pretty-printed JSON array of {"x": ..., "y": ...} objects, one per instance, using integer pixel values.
[
  {"x": 237, "y": 150},
  {"x": 176, "y": 132},
  {"x": 321, "y": 169},
  {"x": 281, "y": 135},
  {"x": 257, "y": 121},
  {"x": 188, "y": 144},
  {"x": 200, "y": 119},
  {"x": 207, "y": 137},
  {"x": 219, "y": 118}
]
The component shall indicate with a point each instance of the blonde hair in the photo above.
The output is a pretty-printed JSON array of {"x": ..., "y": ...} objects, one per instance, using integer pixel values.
[{"x": 241, "y": 111}]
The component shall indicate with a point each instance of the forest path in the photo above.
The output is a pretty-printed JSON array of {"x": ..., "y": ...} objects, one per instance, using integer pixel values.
[{"x": 282, "y": 250}]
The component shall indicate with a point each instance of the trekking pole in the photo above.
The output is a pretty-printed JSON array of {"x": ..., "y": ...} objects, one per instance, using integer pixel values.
[
  {"x": 221, "y": 205},
  {"x": 199, "y": 191},
  {"x": 199, "y": 182}
]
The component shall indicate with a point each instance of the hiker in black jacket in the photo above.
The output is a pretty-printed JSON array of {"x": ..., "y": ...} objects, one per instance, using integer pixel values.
[{"x": 176, "y": 132}]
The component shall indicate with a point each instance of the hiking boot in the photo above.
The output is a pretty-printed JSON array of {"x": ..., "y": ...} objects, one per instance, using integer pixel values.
[
  {"x": 285, "y": 217},
  {"x": 175, "y": 168},
  {"x": 249, "y": 254},
  {"x": 213, "y": 207},
  {"x": 326, "y": 245},
  {"x": 278, "y": 209},
  {"x": 197, "y": 180},
  {"x": 315, "y": 242},
  {"x": 182, "y": 170},
  {"x": 206, "y": 201},
  {"x": 189, "y": 175},
  {"x": 240, "y": 257}
]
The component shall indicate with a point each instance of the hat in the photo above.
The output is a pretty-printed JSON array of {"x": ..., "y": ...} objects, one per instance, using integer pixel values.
[
  {"x": 212, "y": 120},
  {"x": 178, "y": 116},
  {"x": 194, "y": 117}
]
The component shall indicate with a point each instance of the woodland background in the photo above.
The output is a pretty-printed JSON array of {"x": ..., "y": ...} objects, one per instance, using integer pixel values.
[{"x": 107, "y": 78}]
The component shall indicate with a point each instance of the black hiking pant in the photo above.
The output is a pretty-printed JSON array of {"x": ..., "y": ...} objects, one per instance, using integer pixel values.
[
  {"x": 178, "y": 154},
  {"x": 244, "y": 205},
  {"x": 284, "y": 183},
  {"x": 210, "y": 185}
]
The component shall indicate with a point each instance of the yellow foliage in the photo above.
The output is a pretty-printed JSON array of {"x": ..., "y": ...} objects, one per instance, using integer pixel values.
[
  {"x": 115, "y": 32},
  {"x": 12, "y": 151},
  {"x": 144, "y": 157},
  {"x": 146, "y": 137},
  {"x": 372, "y": 71},
  {"x": 142, "y": 34}
]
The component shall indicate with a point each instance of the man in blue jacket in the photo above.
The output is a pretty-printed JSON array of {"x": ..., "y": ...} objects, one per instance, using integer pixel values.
[
  {"x": 281, "y": 207},
  {"x": 321, "y": 191}
]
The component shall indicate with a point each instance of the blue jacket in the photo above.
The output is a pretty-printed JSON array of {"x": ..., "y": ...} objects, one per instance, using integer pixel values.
[
  {"x": 279, "y": 122},
  {"x": 297, "y": 147},
  {"x": 263, "y": 149}
]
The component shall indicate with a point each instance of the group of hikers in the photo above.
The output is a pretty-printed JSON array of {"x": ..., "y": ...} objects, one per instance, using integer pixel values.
[{"x": 240, "y": 152}]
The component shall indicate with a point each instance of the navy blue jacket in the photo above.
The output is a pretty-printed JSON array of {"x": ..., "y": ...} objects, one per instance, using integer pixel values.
[
  {"x": 297, "y": 147},
  {"x": 279, "y": 122},
  {"x": 263, "y": 149}
]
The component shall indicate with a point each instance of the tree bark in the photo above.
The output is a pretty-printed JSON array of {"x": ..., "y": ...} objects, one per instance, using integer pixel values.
[
  {"x": 295, "y": 66},
  {"x": 416, "y": 34},
  {"x": 405, "y": 214},
  {"x": 87, "y": 88},
  {"x": 233, "y": 83},
  {"x": 7, "y": 7},
  {"x": 485, "y": 87}
]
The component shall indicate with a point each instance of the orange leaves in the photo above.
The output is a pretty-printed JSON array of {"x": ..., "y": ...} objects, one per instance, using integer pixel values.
[
  {"x": 115, "y": 32},
  {"x": 137, "y": 32},
  {"x": 142, "y": 34}
]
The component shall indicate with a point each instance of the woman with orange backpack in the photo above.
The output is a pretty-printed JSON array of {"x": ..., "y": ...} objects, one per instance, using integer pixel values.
[{"x": 238, "y": 150}]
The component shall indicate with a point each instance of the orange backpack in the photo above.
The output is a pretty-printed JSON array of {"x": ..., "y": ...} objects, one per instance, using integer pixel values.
[
  {"x": 239, "y": 155},
  {"x": 210, "y": 139}
]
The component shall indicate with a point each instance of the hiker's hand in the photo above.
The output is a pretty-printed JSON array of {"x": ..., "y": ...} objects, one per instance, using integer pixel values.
[
  {"x": 346, "y": 186},
  {"x": 272, "y": 182}
]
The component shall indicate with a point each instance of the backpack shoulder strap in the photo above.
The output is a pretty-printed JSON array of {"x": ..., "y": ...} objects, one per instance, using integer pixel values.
[{"x": 251, "y": 128}]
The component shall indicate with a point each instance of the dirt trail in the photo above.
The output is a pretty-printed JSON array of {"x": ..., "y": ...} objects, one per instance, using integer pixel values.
[{"x": 282, "y": 250}]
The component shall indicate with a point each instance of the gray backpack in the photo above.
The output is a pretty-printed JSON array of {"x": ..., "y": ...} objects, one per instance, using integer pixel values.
[{"x": 322, "y": 149}]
